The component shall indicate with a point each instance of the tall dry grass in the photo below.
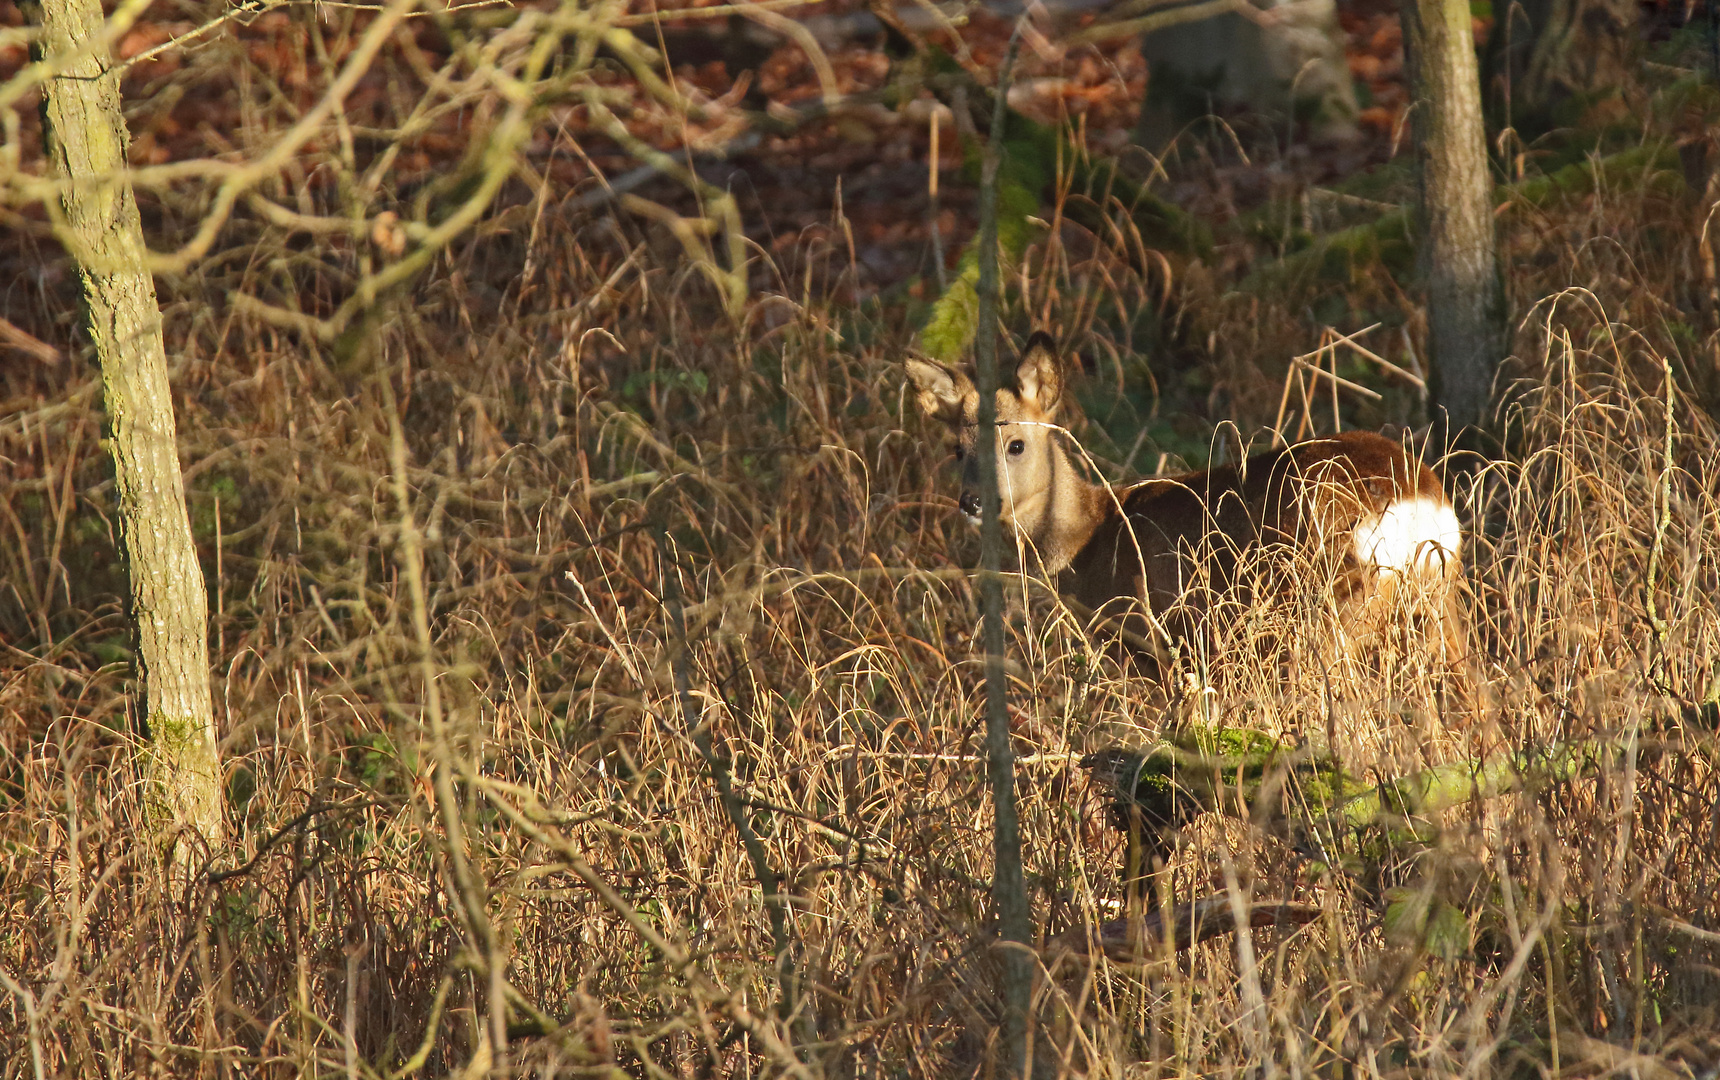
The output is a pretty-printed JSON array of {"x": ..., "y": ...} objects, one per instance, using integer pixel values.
[{"x": 556, "y": 619}]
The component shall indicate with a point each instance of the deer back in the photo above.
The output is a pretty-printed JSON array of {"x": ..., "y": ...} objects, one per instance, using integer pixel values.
[{"x": 1174, "y": 541}]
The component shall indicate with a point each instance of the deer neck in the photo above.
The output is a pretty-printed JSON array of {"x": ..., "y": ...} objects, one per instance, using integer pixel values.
[{"x": 1073, "y": 509}]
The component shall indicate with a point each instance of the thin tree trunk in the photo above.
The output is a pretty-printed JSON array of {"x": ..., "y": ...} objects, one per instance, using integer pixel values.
[
  {"x": 97, "y": 220},
  {"x": 1009, "y": 886},
  {"x": 1465, "y": 302}
]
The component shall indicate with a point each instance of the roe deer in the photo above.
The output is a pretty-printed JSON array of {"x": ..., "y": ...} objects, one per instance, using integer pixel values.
[{"x": 1355, "y": 507}]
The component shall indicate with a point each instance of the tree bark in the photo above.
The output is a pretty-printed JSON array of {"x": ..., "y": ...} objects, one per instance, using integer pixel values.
[
  {"x": 1009, "y": 884},
  {"x": 96, "y": 218},
  {"x": 1465, "y": 301}
]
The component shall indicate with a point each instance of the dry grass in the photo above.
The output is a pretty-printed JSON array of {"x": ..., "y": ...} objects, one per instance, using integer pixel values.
[{"x": 582, "y": 458}]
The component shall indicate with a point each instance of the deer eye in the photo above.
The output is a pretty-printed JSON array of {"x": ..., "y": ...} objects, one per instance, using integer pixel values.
[{"x": 1016, "y": 446}]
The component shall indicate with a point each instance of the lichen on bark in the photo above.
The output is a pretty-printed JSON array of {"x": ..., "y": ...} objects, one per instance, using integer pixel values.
[{"x": 95, "y": 216}]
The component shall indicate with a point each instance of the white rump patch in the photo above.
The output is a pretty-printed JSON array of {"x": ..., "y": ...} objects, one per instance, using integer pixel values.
[{"x": 1412, "y": 536}]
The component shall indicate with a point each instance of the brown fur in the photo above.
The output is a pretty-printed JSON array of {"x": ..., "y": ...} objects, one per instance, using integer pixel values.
[{"x": 1177, "y": 541}]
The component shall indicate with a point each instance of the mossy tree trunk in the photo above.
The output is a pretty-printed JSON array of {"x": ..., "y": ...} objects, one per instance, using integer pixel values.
[
  {"x": 96, "y": 218},
  {"x": 1009, "y": 884},
  {"x": 1465, "y": 300}
]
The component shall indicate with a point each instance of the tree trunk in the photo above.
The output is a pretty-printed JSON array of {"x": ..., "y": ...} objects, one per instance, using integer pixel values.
[
  {"x": 1009, "y": 884},
  {"x": 1465, "y": 302},
  {"x": 96, "y": 218}
]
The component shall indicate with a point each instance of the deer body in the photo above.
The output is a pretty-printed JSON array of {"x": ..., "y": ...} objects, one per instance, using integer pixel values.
[{"x": 1355, "y": 509}]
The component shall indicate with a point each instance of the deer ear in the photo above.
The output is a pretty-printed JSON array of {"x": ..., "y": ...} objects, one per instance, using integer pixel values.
[
  {"x": 944, "y": 392},
  {"x": 1039, "y": 375}
]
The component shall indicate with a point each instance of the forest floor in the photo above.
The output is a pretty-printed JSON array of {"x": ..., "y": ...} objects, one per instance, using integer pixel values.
[{"x": 594, "y": 643}]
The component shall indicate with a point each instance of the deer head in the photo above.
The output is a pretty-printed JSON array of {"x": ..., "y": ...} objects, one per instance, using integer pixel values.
[{"x": 1037, "y": 481}]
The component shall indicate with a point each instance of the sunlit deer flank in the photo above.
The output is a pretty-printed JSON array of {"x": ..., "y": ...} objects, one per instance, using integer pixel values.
[{"x": 1355, "y": 508}]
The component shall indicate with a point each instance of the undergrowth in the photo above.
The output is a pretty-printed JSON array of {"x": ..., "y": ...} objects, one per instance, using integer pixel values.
[{"x": 698, "y": 620}]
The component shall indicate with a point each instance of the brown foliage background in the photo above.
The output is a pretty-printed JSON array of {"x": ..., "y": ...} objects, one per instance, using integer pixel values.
[{"x": 588, "y": 437}]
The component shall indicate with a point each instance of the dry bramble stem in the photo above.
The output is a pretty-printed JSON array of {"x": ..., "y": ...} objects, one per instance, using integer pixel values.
[{"x": 524, "y": 818}]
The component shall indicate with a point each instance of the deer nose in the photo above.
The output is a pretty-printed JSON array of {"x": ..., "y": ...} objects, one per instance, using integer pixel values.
[{"x": 969, "y": 504}]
